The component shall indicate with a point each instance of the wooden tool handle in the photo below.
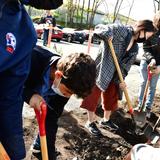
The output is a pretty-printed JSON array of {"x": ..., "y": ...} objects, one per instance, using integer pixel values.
[
  {"x": 120, "y": 75},
  {"x": 3, "y": 153},
  {"x": 44, "y": 148},
  {"x": 156, "y": 123}
]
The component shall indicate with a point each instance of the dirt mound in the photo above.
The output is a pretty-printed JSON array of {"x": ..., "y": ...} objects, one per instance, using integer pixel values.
[{"x": 75, "y": 143}]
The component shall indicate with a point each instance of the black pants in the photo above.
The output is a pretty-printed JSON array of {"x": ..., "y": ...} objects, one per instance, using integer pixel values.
[{"x": 45, "y": 36}]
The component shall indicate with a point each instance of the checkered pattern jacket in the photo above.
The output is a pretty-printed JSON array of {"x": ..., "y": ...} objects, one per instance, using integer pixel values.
[{"x": 121, "y": 36}]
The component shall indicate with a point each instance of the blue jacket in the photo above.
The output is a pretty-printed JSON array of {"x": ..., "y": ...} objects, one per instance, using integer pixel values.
[
  {"x": 17, "y": 34},
  {"x": 41, "y": 61},
  {"x": 17, "y": 39}
]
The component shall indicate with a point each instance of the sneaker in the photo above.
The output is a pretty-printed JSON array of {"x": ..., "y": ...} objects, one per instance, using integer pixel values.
[
  {"x": 36, "y": 148},
  {"x": 108, "y": 124},
  {"x": 36, "y": 151},
  {"x": 93, "y": 129}
]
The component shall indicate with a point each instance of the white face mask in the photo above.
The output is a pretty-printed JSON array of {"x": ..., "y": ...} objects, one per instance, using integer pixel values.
[{"x": 57, "y": 90}]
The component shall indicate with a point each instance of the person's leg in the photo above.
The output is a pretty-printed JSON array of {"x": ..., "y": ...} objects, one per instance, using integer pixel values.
[
  {"x": 109, "y": 104},
  {"x": 151, "y": 92},
  {"x": 143, "y": 74},
  {"x": 106, "y": 116},
  {"x": 11, "y": 104},
  {"x": 91, "y": 116},
  {"x": 90, "y": 103},
  {"x": 45, "y": 37},
  {"x": 12, "y": 136}
]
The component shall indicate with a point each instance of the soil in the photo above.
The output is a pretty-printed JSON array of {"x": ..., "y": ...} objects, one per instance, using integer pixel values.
[{"x": 75, "y": 143}]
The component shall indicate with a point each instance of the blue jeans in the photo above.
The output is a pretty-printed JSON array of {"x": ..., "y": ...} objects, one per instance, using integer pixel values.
[
  {"x": 152, "y": 87},
  {"x": 45, "y": 37}
]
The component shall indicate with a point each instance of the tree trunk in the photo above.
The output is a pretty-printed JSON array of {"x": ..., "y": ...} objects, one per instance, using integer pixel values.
[
  {"x": 130, "y": 9},
  {"x": 116, "y": 10},
  {"x": 82, "y": 12},
  {"x": 95, "y": 6},
  {"x": 88, "y": 10},
  {"x": 77, "y": 11}
]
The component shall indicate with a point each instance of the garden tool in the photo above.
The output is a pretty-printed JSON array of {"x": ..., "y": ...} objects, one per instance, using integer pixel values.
[
  {"x": 140, "y": 115},
  {"x": 121, "y": 78},
  {"x": 148, "y": 131},
  {"x": 41, "y": 116},
  {"x": 3, "y": 153}
]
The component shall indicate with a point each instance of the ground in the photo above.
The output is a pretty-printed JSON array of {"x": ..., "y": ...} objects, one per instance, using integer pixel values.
[{"x": 75, "y": 143}]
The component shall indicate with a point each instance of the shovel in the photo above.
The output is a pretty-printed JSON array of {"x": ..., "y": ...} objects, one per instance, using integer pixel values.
[
  {"x": 140, "y": 116},
  {"x": 149, "y": 129},
  {"x": 121, "y": 78},
  {"x": 3, "y": 153},
  {"x": 41, "y": 116}
]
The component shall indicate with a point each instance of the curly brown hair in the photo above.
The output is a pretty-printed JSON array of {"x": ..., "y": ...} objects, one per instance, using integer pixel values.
[{"x": 79, "y": 73}]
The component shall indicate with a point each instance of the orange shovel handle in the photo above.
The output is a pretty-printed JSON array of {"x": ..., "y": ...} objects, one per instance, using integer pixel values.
[
  {"x": 120, "y": 75},
  {"x": 3, "y": 153}
]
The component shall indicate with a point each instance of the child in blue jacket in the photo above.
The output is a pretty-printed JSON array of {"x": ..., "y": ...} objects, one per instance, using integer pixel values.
[
  {"x": 17, "y": 39},
  {"x": 54, "y": 79}
]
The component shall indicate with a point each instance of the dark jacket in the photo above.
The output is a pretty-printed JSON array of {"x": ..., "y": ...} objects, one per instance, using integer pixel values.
[
  {"x": 15, "y": 50},
  {"x": 43, "y": 4},
  {"x": 152, "y": 49},
  {"x": 41, "y": 60}
]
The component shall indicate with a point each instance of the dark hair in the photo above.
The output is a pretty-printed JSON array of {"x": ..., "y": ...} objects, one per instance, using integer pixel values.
[
  {"x": 146, "y": 25},
  {"x": 156, "y": 20},
  {"x": 79, "y": 72}
]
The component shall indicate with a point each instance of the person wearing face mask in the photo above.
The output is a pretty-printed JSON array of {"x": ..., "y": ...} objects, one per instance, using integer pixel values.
[
  {"x": 108, "y": 86},
  {"x": 54, "y": 79},
  {"x": 150, "y": 58}
]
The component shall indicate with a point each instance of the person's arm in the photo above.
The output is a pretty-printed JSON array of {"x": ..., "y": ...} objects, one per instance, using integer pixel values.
[
  {"x": 148, "y": 53},
  {"x": 32, "y": 94},
  {"x": 127, "y": 63},
  {"x": 43, "y": 4},
  {"x": 29, "y": 91}
]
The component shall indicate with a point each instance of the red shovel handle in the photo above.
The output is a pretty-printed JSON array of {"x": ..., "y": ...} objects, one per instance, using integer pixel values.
[
  {"x": 41, "y": 116},
  {"x": 149, "y": 73}
]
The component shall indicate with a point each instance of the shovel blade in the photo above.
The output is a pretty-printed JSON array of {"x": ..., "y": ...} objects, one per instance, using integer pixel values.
[
  {"x": 140, "y": 116},
  {"x": 148, "y": 131}
]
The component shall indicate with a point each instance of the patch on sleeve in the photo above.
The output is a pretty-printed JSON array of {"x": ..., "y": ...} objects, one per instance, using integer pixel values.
[{"x": 10, "y": 42}]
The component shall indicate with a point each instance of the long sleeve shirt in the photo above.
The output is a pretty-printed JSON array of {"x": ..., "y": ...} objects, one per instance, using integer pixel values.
[{"x": 105, "y": 66}]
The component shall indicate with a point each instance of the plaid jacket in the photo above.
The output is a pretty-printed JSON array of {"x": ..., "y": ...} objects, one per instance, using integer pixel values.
[{"x": 105, "y": 66}]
